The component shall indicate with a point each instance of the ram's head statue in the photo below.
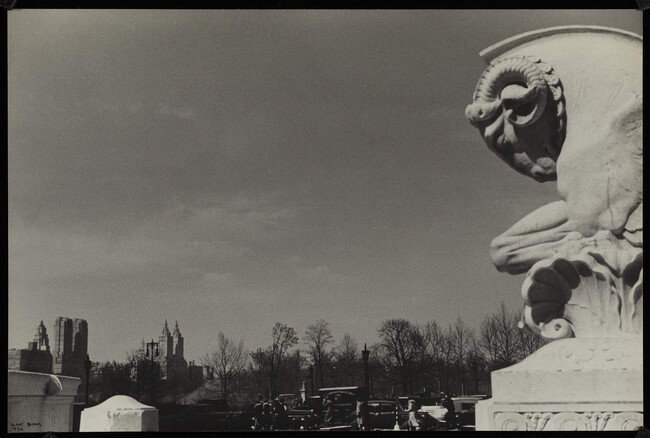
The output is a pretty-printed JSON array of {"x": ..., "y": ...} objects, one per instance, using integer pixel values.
[{"x": 518, "y": 107}]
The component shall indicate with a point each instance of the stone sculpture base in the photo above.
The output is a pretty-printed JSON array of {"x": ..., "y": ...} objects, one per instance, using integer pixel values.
[
  {"x": 119, "y": 413},
  {"x": 38, "y": 402},
  {"x": 569, "y": 384}
]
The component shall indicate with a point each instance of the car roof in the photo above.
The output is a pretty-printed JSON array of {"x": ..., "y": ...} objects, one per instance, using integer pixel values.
[{"x": 339, "y": 388}]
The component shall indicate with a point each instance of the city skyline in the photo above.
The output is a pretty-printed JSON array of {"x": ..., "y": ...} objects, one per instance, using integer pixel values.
[{"x": 230, "y": 169}]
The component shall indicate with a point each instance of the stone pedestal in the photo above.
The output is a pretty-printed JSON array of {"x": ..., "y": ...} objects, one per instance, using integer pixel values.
[
  {"x": 570, "y": 384},
  {"x": 119, "y": 413},
  {"x": 38, "y": 402}
]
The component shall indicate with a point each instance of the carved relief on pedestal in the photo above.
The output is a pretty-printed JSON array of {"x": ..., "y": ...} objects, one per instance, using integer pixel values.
[
  {"x": 598, "y": 420},
  {"x": 626, "y": 421},
  {"x": 537, "y": 420},
  {"x": 568, "y": 421},
  {"x": 589, "y": 353},
  {"x": 511, "y": 421}
]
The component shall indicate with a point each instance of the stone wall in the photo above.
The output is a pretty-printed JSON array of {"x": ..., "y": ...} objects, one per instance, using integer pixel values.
[{"x": 39, "y": 402}]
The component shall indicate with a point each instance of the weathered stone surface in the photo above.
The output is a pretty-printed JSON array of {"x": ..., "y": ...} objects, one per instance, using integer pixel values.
[
  {"x": 571, "y": 384},
  {"x": 593, "y": 420},
  {"x": 39, "y": 402},
  {"x": 119, "y": 413},
  {"x": 598, "y": 73},
  {"x": 565, "y": 104},
  {"x": 593, "y": 287}
]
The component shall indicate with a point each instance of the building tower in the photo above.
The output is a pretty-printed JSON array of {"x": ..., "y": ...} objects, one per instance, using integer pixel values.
[
  {"x": 166, "y": 350},
  {"x": 70, "y": 346},
  {"x": 171, "y": 347},
  {"x": 165, "y": 340},
  {"x": 41, "y": 340},
  {"x": 36, "y": 358},
  {"x": 71, "y": 349},
  {"x": 178, "y": 342},
  {"x": 62, "y": 343}
]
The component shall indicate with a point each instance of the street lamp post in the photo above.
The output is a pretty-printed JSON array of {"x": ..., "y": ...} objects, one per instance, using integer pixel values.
[
  {"x": 152, "y": 355},
  {"x": 311, "y": 378},
  {"x": 365, "y": 355},
  {"x": 475, "y": 366},
  {"x": 87, "y": 365}
]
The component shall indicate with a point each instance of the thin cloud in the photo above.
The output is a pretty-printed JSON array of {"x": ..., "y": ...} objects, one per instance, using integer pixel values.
[
  {"x": 123, "y": 107},
  {"x": 184, "y": 236},
  {"x": 183, "y": 113},
  {"x": 162, "y": 108}
]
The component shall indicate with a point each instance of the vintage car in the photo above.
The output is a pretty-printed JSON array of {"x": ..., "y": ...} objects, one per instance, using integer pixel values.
[
  {"x": 202, "y": 416},
  {"x": 303, "y": 418},
  {"x": 465, "y": 411},
  {"x": 385, "y": 414},
  {"x": 435, "y": 410},
  {"x": 345, "y": 403}
]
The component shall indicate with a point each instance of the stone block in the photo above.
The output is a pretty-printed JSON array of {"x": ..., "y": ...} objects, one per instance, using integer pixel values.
[
  {"x": 38, "y": 402},
  {"x": 570, "y": 384},
  {"x": 119, "y": 413}
]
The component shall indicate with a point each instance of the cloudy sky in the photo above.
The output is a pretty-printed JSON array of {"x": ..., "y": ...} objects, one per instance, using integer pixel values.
[{"x": 230, "y": 169}]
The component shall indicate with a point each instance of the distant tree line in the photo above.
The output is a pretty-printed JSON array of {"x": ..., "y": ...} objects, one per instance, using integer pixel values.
[
  {"x": 137, "y": 377},
  {"x": 408, "y": 359}
]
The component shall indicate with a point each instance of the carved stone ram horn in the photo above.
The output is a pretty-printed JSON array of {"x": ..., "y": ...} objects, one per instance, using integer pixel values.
[{"x": 531, "y": 90}]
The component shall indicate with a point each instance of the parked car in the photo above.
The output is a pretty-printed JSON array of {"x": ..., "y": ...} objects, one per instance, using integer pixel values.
[
  {"x": 303, "y": 418},
  {"x": 435, "y": 410},
  {"x": 345, "y": 402},
  {"x": 385, "y": 413},
  {"x": 404, "y": 401},
  {"x": 466, "y": 410},
  {"x": 465, "y": 407},
  {"x": 290, "y": 400},
  {"x": 245, "y": 421},
  {"x": 196, "y": 417}
]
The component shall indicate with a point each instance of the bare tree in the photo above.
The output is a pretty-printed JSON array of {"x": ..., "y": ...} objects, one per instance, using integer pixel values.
[
  {"x": 227, "y": 361},
  {"x": 114, "y": 378},
  {"x": 476, "y": 364},
  {"x": 401, "y": 344},
  {"x": 259, "y": 369},
  {"x": 500, "y": 338},
  {"x": 503, "y": 341},
  {"x": 462, "y": 338},
  {"x": 346, "y": 357},
  {"x": 489, "y": 337},
  {"x": 266, "y": 363},
  {"x": 447, "y": 358},
  {"x": 434, "y": 342},
  {"x": 292, "y": 374},
  {"x": 529, "y": 342},
  {"x": 317, "y": 337}
]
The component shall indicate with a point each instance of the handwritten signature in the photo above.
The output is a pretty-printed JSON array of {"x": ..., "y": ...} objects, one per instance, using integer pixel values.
[{"x": 20, "y": 427}]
